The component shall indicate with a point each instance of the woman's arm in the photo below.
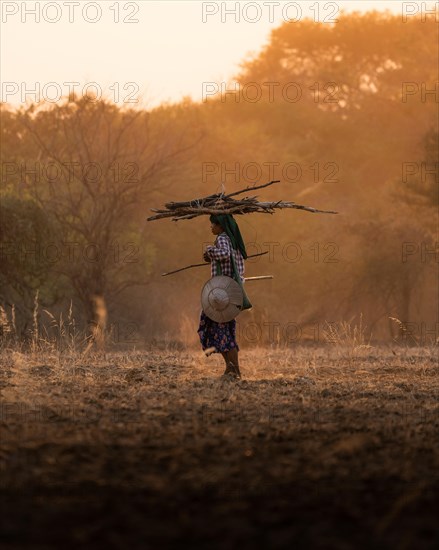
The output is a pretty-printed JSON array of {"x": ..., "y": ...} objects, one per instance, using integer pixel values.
[{"x": 220, "y": 250}]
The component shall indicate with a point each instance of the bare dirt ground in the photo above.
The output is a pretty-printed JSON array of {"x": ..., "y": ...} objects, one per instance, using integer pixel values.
[{"x": 330, "y": 447}]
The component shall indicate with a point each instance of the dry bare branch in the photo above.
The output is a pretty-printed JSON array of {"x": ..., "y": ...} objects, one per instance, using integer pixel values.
[
  {"x": 220, "y": 203},
  {"x": 205, "y": 263}
]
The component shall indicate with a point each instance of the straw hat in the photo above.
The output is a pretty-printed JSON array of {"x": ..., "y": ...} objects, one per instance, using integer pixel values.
[{"x": 221, "y": 298}]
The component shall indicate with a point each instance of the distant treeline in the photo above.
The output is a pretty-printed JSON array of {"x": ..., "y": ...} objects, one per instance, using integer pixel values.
[{"x": 344, "y": 115}]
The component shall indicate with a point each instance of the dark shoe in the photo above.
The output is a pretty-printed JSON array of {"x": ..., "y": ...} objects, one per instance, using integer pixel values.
[
  {"x": 232, "y": 373},
  {"x": 230, "y": 377},
  {"x": 236, "y": 372}
]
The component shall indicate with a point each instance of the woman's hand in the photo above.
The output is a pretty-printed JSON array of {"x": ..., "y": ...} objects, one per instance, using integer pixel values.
[{"x": 206, "y": 257}]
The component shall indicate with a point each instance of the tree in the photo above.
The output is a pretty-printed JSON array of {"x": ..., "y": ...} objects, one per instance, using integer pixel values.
[
  {"x": 421, "y": 179},
  {"x": 26, "y": 235},
  {"x": 95, "y": 163}
]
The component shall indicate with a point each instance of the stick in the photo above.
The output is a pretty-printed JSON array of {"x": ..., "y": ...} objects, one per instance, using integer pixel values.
[
  {"x": 220, "y": 203},
  {"x": 206, "y": 263},
  {"x": 252, "y": 188},
  {"x": 243, "y": 207},
  {"x": 183, "y": 268},
  {"x": 258, "y": 278}
]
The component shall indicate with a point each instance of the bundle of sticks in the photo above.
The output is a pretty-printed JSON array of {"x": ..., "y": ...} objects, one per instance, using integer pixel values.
[{"x": 220, "y": 203}]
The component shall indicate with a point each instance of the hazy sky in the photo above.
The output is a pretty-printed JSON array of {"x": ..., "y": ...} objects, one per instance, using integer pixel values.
[{"x": 156, "y": 50}]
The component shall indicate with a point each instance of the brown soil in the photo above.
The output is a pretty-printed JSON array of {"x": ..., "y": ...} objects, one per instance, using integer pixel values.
[{"x": 335, "y": 447}]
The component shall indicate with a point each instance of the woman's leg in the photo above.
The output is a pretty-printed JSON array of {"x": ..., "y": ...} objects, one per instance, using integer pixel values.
[
  {"x": 211, "y": 332},
  {"x": 232, "y": 356},
  {"x": 232, "y": 362},
  {"x": 226, "y": 360}
]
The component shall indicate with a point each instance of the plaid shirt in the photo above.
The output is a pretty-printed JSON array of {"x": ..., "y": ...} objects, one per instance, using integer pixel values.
[{"x": 221, "y": 251}]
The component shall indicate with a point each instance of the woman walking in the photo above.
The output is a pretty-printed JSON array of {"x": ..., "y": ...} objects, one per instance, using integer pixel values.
[{"x": 222, "y": 336}]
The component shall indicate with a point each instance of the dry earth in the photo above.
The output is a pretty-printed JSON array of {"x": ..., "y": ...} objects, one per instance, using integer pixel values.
[{"x": 331, "y": 447}]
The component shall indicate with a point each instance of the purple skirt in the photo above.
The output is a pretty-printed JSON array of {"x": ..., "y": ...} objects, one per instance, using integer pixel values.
[{"x": 221, "y": 336}]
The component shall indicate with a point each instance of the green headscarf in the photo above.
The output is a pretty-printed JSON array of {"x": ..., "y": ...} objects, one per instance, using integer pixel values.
[{"x": 228, "y": 223}]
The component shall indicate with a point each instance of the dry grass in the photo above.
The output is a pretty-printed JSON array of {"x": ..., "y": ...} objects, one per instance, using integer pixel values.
[{"x": 304, "y": 425}]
